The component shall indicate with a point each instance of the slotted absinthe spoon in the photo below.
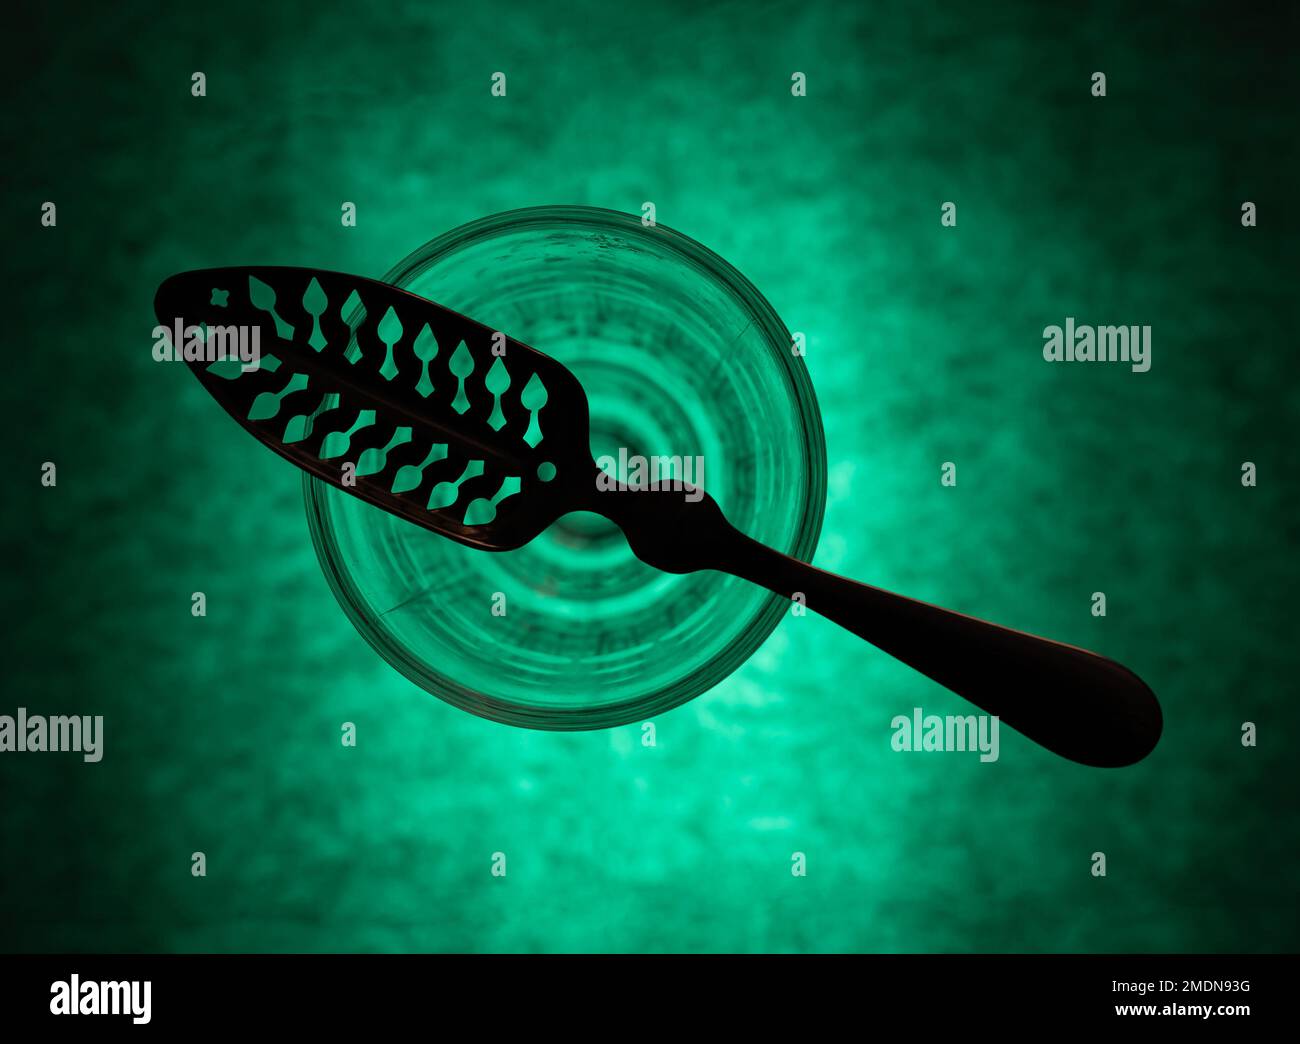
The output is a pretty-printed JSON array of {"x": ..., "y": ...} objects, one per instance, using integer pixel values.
[{"x": 455, "y": 427}]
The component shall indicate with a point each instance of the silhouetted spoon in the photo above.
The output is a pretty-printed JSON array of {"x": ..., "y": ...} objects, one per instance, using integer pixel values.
[{"x": 450, "y": 425}]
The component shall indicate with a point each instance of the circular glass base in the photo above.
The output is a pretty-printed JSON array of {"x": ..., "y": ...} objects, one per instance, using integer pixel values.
[{"x": 680, "y": 358}]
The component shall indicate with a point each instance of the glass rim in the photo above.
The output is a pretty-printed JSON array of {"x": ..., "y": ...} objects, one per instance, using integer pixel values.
[{"x": 727, "y": 659}]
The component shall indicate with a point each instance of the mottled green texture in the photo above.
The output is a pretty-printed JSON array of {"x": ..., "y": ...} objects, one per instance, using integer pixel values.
[{"x": 924, "y": 345}]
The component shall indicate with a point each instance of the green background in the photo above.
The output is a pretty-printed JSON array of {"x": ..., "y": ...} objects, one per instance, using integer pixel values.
[{"x": 924, "y": 346}]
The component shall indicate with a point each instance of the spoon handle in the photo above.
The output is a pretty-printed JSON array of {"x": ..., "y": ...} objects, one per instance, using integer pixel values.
[{"x": 1080, "y": 705}]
